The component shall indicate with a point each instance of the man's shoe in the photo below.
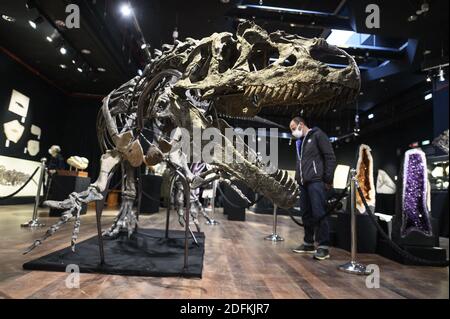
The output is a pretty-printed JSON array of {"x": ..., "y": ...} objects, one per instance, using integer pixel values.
[
  {"x": 304, "y": 249},
  {"x": 321, "y": 254}
]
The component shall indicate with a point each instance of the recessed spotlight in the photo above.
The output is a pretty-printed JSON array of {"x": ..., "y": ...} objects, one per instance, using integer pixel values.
[
  {"x": 86, "y": 51},
  {"x": 63, "y": 66},
  {"x": 8, "y": 18},
  {"x": 126, "y": 10},
  {"x": 428, "y": 96},
  {"x": 370, "y": 116},
  {"x": 63, "y": 50},
  {"x": 80, "y": 70},
  {"x": 428, "y": 78},
  {"x": 361, "y": 93},
  {"x": 49, "y": 39},
  {"x": 32, "y": 24},
  {"x": 441, "y": 75},
  {"x": 382, "y": 80},
  {"x": 101, "y": 70},
  {"x": 139, "y": 72},
  {"x": 143, "y": 46},
  {"x": 74, "y": 62}
]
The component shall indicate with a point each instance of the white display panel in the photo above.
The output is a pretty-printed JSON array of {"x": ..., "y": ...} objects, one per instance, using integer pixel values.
[
  {"x": 341, "y": 176},
  {"x": 19, "y": 104},
  {"x": 14, "y": 172}
]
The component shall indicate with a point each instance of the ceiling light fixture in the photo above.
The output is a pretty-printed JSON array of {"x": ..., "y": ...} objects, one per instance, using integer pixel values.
[
  {"x": 441, "y": 74},
  {"x": 428, "y": 78},
  {"x": 63, "y": 50},
  {"x": 86, "y": 51},
  {"x": 139, "y": 72},
  {"x": 8, "y": 18},
  {"x": 63, "y": 66},
  {"x": 101, "y": 70},
  {"x": 428, "y": 96},
  {"x": 126, "y": 10},
  {"x": 370, "y": 116},
  {"x": 49, "y": 39},
  {"x": 32, "y": 24},
  {"x": 80, "y": 70},
  {"x": 143, "y": 46}
]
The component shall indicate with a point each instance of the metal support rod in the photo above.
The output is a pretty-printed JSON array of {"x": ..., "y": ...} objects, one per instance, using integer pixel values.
[
  {"x": 274, "y": 236},
  {"x": 212, "y": 221},
  {"x": 34, "y": 222},
  {"x": 353, "y": 267},
  {"x": 171, "y": 185}
]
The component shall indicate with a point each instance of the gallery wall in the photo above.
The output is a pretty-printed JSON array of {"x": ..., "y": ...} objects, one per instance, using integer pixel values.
[{"x": 63, "y": 120}]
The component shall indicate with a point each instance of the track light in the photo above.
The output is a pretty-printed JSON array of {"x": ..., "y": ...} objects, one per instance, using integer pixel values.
[
  {"x": 126, "y": 10},
  {"x": 8, "y": 18},
  {"x": 441, "y": 75},
  {"x": 32, "y": 24}
]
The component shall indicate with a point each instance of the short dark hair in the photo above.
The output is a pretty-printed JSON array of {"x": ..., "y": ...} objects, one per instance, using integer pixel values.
[{"x": 298, "y": 120}]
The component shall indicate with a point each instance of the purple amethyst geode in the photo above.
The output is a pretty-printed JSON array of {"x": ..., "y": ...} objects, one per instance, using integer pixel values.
[{"x": 415, "y": 205}]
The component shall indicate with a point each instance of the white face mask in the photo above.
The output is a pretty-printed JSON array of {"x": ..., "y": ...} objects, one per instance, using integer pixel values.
[{"x": 297, "y": 133}]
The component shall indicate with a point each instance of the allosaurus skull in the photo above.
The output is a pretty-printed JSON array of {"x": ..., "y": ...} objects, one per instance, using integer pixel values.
[{"x": 255, "y": 69}]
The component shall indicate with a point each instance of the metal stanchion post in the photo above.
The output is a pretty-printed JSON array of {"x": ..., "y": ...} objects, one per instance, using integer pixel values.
[
  {"x": 353, "y": 267},
  {"x": 212, "y": 221},
  {"x": 274, "y": 236},
  {"x": 34, "y": 222}
]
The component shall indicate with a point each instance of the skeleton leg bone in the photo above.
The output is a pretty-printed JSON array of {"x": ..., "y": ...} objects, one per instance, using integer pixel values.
[{"x": 126, "y": 219}]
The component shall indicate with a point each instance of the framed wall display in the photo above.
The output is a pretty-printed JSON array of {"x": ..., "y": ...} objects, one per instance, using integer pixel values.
[{"x": 14, "y": 172}]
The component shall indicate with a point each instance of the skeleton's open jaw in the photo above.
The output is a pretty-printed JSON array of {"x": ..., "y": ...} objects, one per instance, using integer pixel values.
[{"x": 254, "y": 97}]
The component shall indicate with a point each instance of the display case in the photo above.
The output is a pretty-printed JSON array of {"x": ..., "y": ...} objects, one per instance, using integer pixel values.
[{"x": 438, "y": 171}]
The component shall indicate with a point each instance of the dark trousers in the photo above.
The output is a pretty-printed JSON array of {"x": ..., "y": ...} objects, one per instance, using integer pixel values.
[{"x": 313, "y": 198}]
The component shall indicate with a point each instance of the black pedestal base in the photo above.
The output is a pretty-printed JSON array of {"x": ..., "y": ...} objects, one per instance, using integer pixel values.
[{"x": 146, "y": 253}]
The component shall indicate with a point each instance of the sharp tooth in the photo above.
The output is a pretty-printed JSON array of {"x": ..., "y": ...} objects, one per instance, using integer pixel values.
[
  {"x": 284, "y": 179},
  {"x": 281, "y": 92},
  {"x": 300, "y": 94},
  {"x": 247, "y": 91},
  {"x": 252, "y": 90},
  {"x": 288, "y": 92},
  {"x": 295, "y": 89},
  {"x": 274, "y": 92},
  {"x": 259, "y": 89}
]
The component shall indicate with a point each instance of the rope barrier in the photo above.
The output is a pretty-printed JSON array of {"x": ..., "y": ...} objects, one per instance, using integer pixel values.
[
  {"x": 329, "y": 212},
  {"x": 396, "y": 247},
  {"x": 21, "y": 187}
]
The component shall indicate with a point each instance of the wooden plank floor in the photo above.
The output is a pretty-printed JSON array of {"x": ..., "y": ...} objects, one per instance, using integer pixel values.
[{"x": 238, "y": 264}]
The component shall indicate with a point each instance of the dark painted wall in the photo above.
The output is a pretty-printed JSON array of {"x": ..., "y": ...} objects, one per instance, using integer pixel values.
[{"x": 65, "y": 121}]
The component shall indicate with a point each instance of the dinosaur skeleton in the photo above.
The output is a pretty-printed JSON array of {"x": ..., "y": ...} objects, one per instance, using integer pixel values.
[{"x": 189, "y": 85}]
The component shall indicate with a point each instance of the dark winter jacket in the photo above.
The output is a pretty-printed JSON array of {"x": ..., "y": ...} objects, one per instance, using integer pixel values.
[{"x": 316, "y": 161}]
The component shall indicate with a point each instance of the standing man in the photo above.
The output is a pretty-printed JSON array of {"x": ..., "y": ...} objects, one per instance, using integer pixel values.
[{"x": 315, "y": 167}]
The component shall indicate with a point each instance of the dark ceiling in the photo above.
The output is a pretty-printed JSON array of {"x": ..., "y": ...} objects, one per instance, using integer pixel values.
[{"x": 391, "y": 58}]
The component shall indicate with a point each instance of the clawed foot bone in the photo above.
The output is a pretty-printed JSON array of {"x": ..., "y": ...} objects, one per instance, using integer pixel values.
[
  {"x": 125, "y": 221},
  {"x": 72, "y": 208}
]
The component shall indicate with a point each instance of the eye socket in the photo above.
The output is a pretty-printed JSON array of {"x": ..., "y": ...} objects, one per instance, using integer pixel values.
[
  {"x": 199, "y": 70},
  {"x": 261, "y": 56},
  {"x": 327, "y": 57},
  {"x": 230, "y": 55},
  {"x": 290, "y": 61}
]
